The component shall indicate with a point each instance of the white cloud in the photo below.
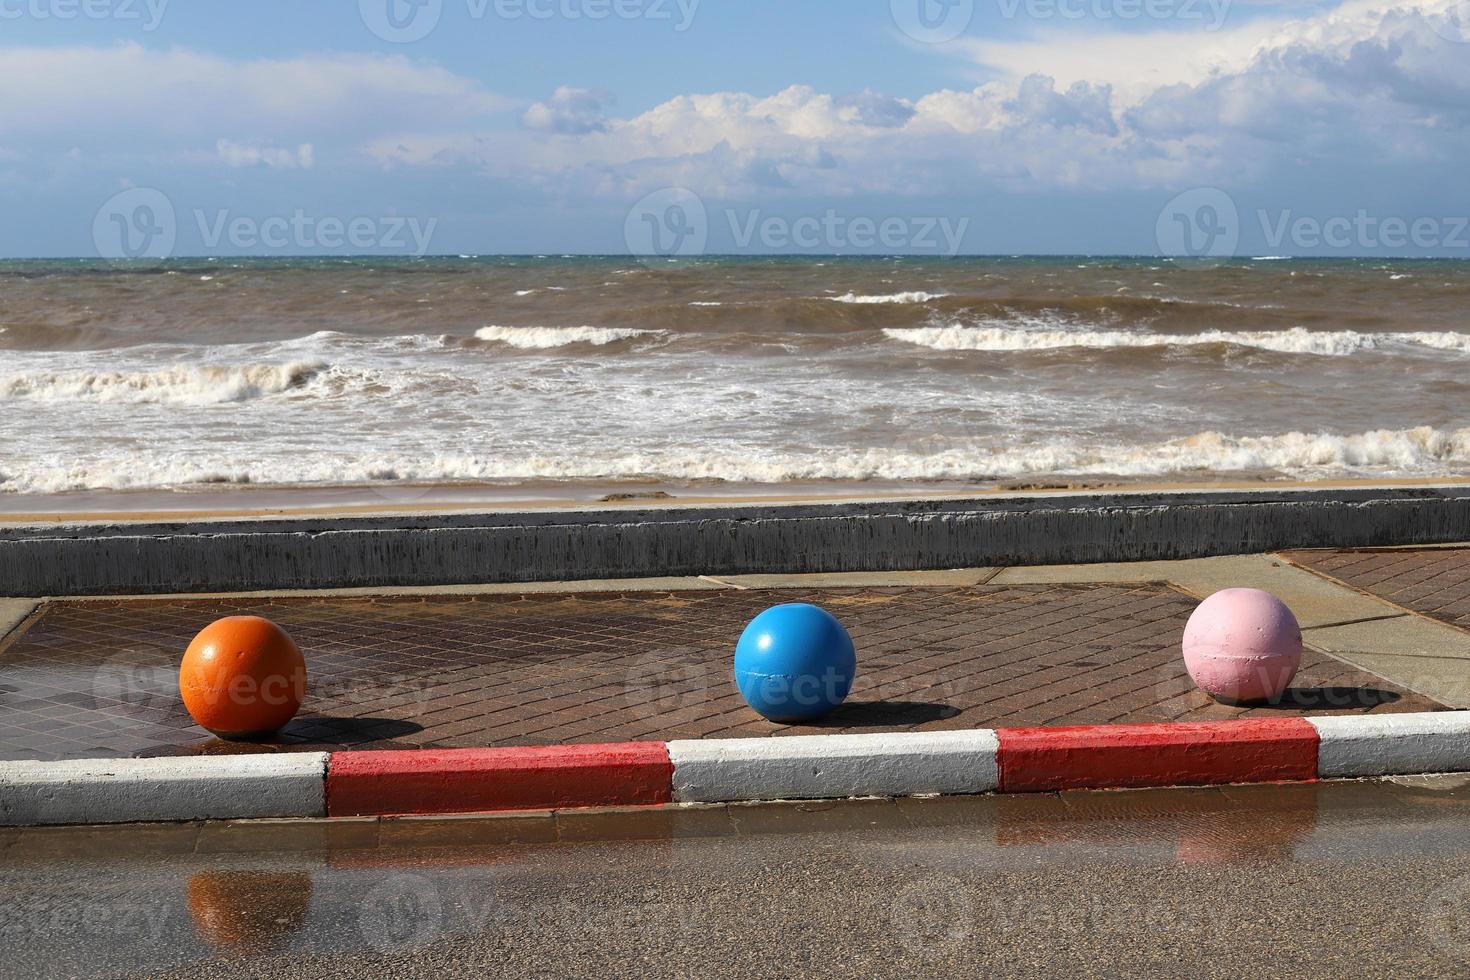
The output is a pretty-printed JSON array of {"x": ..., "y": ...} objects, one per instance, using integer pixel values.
[
  {"x": 276, "y": 158},
  {"x": 1326, "y": 89},
  {"x": 130, "y": 99},
  {"x": 1367, "y": 82},
  {"x": 570, "y": 110}
]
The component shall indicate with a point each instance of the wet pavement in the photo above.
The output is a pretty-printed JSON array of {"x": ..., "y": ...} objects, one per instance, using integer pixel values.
[
  {"x": 1433, "y": 582},
  {"x": 1365, "y": 879},
  {"x": 97, "y": 679}
]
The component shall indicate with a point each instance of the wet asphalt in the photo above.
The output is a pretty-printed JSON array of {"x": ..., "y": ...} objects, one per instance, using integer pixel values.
[{"x": 1368, "y": 879}]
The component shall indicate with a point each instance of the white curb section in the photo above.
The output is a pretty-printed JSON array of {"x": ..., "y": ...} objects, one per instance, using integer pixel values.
[
  {"x": 813, "y": 767},
  {"x": 141, "y": 790},
  {"x": 1393, "y": 745}
]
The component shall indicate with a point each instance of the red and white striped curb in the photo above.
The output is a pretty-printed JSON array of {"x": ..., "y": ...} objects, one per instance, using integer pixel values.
[{"x": 1007, "y": 760}]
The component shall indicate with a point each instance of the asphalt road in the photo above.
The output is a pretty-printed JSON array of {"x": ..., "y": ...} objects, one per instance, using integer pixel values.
[{"x": 1368, "y": 879}]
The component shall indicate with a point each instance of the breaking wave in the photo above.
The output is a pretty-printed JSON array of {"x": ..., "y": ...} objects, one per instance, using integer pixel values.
[
  {"x": 1298, "y": 340},
  {"x": 178, "y": 385},
  {"x": 891, "y": 298},
  {"x": 547, "y": 338},
  {"x": 1421, "y": 451}
]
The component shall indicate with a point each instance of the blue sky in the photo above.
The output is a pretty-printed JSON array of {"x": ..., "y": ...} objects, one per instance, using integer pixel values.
[{"x": 1051, "y": 126}]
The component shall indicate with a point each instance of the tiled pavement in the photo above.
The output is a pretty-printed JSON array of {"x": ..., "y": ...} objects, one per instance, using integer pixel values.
[
  {"x": 99, "y": 679},
  {"x": 1432, "y": 581}
]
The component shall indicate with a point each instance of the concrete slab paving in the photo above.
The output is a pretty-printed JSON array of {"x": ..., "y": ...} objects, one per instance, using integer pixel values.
[
  {"x": 1316, "y": 601},
  {"x": 99, "y": 679},
  {"x": 840, "y": 580},
  {"x": 13, "y": 612},
  {"x": 1368, "y": 632}
]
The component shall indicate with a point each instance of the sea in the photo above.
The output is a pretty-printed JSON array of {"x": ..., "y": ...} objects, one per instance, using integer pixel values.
[{"x": 199, "y": 374}]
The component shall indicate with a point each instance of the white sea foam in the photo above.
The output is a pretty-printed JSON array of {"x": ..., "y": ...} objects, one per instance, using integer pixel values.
[
  {"x": 698, "y": 302},
  {"x": 1421, "y": 451},
  {"x": 890, "y": 298},
  {"x": 1297, "y": 340},
  {"x": 547, "y": 338},
  {"x": 176, "y": 385}
]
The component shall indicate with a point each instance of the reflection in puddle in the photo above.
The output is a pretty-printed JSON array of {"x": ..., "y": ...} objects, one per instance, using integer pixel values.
[{"x": 248, "y": 911}]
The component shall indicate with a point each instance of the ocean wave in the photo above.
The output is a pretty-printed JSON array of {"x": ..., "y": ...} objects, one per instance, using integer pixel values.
[
  {"x": 176, "y": 385},
  {"x": 890, "y": 298},
  {"x": 547, "y": 338},
  {"x": 1298, "y": 340},
  {"x": 1423, "y": 451}
]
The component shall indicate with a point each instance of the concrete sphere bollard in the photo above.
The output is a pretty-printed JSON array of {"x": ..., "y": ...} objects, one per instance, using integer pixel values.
[
  {"x": 242, "y": 678},
  {"x": 794, "y": 663},
  {"x": 1243, "y": 645}
]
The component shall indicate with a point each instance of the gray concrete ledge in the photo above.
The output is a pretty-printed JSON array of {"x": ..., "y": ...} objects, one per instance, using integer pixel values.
[{"x": 534, "y": 546}]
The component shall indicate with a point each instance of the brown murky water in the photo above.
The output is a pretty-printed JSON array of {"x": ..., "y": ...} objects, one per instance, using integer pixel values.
[{"x": 554, "y": 370}]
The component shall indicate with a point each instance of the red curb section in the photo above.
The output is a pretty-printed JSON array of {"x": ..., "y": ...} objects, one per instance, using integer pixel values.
[
  {"x": 423, "y": 781},
  {"x": 1037, "y": 760}
]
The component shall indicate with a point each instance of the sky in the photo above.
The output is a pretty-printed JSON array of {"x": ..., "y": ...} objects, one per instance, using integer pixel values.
[{"x": 1196, "y": 128}]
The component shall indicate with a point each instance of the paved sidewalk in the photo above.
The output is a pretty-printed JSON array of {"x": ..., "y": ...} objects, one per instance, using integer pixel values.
[
  {"x": 99, "y": 679},
  {"x": 1433, "y": 582}
]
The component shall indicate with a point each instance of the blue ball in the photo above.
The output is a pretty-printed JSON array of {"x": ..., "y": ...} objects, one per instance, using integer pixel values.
[{"x": 794, "y": 663}]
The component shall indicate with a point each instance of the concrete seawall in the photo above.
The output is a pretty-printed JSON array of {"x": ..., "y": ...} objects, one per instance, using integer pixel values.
[{"x": 547, "y": 545}]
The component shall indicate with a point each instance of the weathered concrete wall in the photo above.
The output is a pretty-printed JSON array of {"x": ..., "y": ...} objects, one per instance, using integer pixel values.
[{"x": 328, "y": 552}]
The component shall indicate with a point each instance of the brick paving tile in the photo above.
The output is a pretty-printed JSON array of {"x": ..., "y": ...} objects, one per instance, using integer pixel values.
[
  {"x": 1434, "y": 582},
  {"x": 100, "y": 678}
]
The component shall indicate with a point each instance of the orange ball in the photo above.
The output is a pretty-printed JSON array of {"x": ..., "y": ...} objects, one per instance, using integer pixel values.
[{"x": 242, "y": 678}]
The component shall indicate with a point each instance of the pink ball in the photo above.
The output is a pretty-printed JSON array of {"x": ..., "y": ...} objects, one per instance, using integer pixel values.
[{"x": 1243, "y": 645}]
